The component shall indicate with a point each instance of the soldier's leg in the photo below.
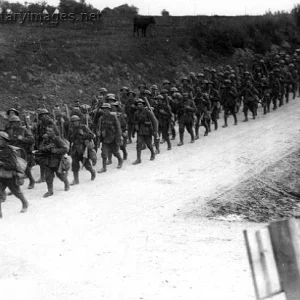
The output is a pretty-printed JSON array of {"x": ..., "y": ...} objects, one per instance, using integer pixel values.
[
  {"x": 190, "y": 130},
  {"x": 49, "y": 176},
  {"x": 197, "y": 125},
  {"x": 214, "y": 118},
  {"x": 109, "y": 159},
  {"x": 123, "y": 147},
  {"x": 294, "y": 89},
  {"x": 104, "y": 154},
  {"x": 130, "y": 131},
  {"x": 16, "y": 190},
  {"x": 181, "y": 134},
  {"x": 148, "y": 142},
  {"x": 30, "y": 177},
  {"x": 75, "y": 168},
  {"x": 245, "y": 111},
  {"x": 205, "y": 123},
  {"x": 3, "y": 186},
  {"x": 42, "y": 174},
  {"x": 233, "y": 112},
  {"x": 64, "y": 178},
  {"x": 87, "y": 164},
  {"x": 114, "y": 148},
  {"x": 287, "y": 93},
  {"x": 139, "y": 144},
  {"x": 166, "y": 137},
  {"x": 226, "y": 111}
]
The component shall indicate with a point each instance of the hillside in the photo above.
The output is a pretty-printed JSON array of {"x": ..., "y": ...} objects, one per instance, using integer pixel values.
[{"x": 53, "y": 64}]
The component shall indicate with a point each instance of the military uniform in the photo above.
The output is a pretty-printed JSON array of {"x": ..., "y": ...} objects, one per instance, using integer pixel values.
[
  {"x": 53, "y": 149},
  {"x": 185, "y": 113},
  {"x": 251, "y": 97},
  {"x": 80, "y": 137},
  {"x": 109, "y": 130},
  {"x": 229, "y": 101},
  {"x": 20, "y": 137},
  {"x": 8, "y": 178}
]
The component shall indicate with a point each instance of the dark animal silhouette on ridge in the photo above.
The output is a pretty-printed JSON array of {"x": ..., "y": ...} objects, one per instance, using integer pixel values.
[{"x": 142, "y": 22}]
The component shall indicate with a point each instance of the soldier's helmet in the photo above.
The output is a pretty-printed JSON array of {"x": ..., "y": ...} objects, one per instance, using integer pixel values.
[
  {"x": 164, "y": 91},
  {"x": 141, "y": 85},
  {"x": 205, "y": 81},
  {"x": 184, "y": 79},
  {"x": 117, "y": 103},
  {"x": 185, "y": 95},
  {"x": 174, "y": 89},
  {"x": 221, "y": 74},
  {"x": 166, "y": 81},
  {"x": 192, "y": 74},
  {"x": 75, "y": 118},
  {"x": 206, "y": 69},
  {"x": 4, "y": 135},
  {"x": 14, "y": 110},
  {"x": 139, "y": 101},
  {"x": 106, "y": 105},
  {"x": 132, "y": 92},
  {"x": 14, "y": 119},
  {"x": 291, "y": 66},
  {"x": 147, "y": 92},
  {"x": 161, "y": 97},
  {"x": 262, "y": 61},
  {"x": 241, "y": 64},
  {"x": 154, "y": 87},
  {"x": 103, "y": 90},
  {"x": 200, "y": 75},
  {"x": 124, "y": 88},
  {"x": 246, "y": 73},
  {"x": 43, "y": 111},
  {"x": 227, "y": 82},
  {"x": 276, "y": 70},
  {"x": 213, "y": 71},
  {"x": 111, "y": 97}
]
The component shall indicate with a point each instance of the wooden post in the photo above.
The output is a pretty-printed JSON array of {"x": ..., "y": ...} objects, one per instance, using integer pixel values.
[{"x": 285, "y": 237}]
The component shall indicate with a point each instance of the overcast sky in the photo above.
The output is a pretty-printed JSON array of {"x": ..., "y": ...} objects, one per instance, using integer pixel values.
[{"x": 194, "y": 7}]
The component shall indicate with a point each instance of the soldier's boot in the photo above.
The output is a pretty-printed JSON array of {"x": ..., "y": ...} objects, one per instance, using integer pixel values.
[
  {"x": 92, "y": 171},
  {"x": 104, "y": 163},
  {"x": 125, "y": 154},
  {"x": 209, "y": 127},
  {"x": 192, "y": 136},
  {"x": 76, "y": 178},
  {"x": 120, "y": 160},
  {"x": 50, "y": 190},
  {"x": 216, "y": 125},
  {"x": 24, "y": 204},
  {"x": 138, "y": 159},
  {"x": 156, "y": 144},
  {"x": 31, "y": 180},
  {"x": 265, "y": 109},
  {"x": 225, "y": 122},
  {"x": 181, "y": 139},
  {"x": 246, "y": 117},
  {"x": 152, "y": 157},
  {"x": 173, "y": 134},
  {"x": 67, "y": 184},
  {"x": 287, "y": 98},
  {"x": 197, "y": 132},
  {"x": 169, "y": 144},
  {"x": 109, "y": 159},
  {"x": 235, "y": 119}
]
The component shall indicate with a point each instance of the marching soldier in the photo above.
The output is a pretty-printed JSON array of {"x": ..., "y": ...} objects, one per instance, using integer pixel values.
[
  {"x": 229, "y": 100},
  {"x": 251, "y": 97},
  {"x": 185, "y": 112},
  {"x": 53, "y": 148},
  {"x": 8, "y": 168},
  {"x": 80, "y": 137},
  {"x": 214, "y": 98},
  {"x": 109, "y": 130},
  {"x": 130, "y": 109},
  {"x": 20, "y": 137},
  {"x": 145, "y": 125},
  {"x": 164, "y": 115}
]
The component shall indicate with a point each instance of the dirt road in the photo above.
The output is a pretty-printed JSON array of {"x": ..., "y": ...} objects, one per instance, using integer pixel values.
[{"x": 141, "y": 232}]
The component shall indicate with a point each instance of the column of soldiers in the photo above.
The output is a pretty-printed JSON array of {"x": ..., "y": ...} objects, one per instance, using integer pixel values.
[{"x": 112, "y": 121}]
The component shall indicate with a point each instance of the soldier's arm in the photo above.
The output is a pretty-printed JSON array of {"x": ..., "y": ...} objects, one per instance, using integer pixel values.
[
  {"x": 60, "y": 147},
  {"x": 118, "y": 130},
  {"x": 87, "y": 133},
  {"x": 28, "y": 137}
]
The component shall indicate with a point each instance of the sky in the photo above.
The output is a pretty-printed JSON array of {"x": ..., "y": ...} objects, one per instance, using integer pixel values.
[{"x": 193, "y": 7}]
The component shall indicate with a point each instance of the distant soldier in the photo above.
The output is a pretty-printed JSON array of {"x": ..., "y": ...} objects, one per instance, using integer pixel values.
[
  {"x": 250, "y": 96},
  {"x": 53, "y": 148},
  {"x": 214, "y": 98},
  {"x": 229, "y": 100},
  {"x": 124, "y": 95},
  {"x": 20, "y": 137},
  {"x": 44, "y": 120},
  {"x": 186, "y": 87},
  {"x": 185, "y": 112},
  {"x": 145, "y": 127},
  {"x": 8, "y": 168},
  {"x": 80, "y": 137},
  {"x": 130, "y": 109},
  {"x": 164, "y": 114},
  {"x": 109, "y": 130}
]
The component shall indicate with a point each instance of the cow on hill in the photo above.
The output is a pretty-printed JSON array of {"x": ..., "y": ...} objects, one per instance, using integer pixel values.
[{"x": 142, "y": 22}]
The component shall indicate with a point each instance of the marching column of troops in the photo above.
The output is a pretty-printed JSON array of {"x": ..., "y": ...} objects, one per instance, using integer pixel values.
[{"x": 148, "y": 114}]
